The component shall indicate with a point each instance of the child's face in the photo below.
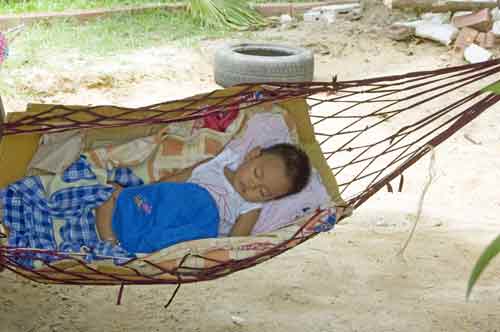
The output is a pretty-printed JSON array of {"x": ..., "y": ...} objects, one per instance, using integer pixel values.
[{"x": 261, "y": 177}]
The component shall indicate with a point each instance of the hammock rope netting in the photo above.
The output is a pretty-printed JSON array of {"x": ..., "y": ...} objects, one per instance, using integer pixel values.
[{"x": 370, "y": 131}]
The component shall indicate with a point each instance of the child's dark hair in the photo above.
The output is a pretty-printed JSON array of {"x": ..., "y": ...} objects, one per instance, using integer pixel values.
[{"x": 298, "y": 167}]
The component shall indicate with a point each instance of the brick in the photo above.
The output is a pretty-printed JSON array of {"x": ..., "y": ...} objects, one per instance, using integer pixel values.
[
  {"x": 490, "y": 40},
  {"x": 480, "y": 20},
  {"x": 465, "y": 37},
  {"x": 480, "y": 39},
  {"x": 486, "y": 39}
]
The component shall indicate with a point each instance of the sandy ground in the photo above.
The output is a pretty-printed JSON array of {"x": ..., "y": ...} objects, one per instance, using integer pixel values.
[{"x": 347, "y": 280}]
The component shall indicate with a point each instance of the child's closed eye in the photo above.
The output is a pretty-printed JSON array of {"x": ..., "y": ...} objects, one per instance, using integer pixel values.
[{"x": 257, "y": 172}]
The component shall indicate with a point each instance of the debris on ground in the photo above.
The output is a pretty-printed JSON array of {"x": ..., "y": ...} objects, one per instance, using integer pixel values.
[
  {"x": 400, "y": 32},
  {"x": 480, "y": 20},
  {"x": 442, "y": 33},
  {"x": 287, "y": 22},
  {"x": 237, "y": 320},
  {"x": 457, "y": 30},
  {"x": 470, "y": 34},
  {"x": 328, "y": 14},
  {"x": 474, "y": 53}
]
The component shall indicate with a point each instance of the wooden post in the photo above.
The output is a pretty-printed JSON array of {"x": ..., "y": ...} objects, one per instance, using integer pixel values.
[{"x": 440, "y": 6}]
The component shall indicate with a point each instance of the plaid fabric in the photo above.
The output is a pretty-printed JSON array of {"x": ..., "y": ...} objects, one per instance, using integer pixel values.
[
  {"x": 30, "y": 214},
  {"x": 125, "y": 177},
  {"x": 79, "y": 170}
]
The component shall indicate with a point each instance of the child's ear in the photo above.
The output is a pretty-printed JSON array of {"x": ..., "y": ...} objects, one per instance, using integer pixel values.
[{"x": 254, "y": 153}]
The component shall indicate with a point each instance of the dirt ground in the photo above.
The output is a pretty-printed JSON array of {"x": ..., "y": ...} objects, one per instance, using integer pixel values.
[{"x": 347, "y": 280}]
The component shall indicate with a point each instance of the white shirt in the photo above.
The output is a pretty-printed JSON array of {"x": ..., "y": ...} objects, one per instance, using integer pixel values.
[{"x": 210, "y": 175}]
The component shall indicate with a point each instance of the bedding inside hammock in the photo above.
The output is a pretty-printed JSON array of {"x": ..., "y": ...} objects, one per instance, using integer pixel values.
[{"x": 64, "y": 220}]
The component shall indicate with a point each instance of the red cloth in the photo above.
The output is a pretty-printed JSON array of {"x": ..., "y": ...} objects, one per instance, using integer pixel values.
[{"x": 219, "y": 120}]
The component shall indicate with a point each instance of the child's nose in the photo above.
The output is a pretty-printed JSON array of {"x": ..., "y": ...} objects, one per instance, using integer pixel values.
[{"x": 254, "y": 183}]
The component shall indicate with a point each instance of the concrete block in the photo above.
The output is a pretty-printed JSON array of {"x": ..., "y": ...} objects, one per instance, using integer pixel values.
[
  {"x": 495, "y": 14},
  {"x": 341, "y": 9},
  {"x": 411, "y": 24},
  {"x": 474, "y": 54},
  {"x": 442, "y": 33},
  {"x": 436, "y": 17},
  {"x": 328, "y": 14},
  {"x": 312, "y": 16},
  {"x": 496, "y": 29}
]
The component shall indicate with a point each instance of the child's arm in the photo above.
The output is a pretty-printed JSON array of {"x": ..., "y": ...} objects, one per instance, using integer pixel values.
[
  {"x": 104, "y": 218},
  {"x": 182, "y": 175},
  {"x": 244, "y": 224}
]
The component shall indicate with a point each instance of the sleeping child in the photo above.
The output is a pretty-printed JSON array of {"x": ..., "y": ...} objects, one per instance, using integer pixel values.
[{"x": 219, "y": 197}]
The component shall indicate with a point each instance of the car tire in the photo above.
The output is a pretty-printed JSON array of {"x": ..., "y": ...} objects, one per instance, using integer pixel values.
[{"x": 259, "y": 63}]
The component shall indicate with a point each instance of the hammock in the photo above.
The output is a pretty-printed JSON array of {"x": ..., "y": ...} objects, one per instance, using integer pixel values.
[{"x": 360, "y": 135}]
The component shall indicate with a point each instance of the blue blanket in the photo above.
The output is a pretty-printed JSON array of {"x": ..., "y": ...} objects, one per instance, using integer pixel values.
[
  {"x": 30, "y": 214},
  {"x": 155, "y": 216}
]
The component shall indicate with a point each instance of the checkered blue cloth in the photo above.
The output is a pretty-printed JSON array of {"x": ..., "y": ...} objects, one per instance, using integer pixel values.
[
  {"x": 29, "y": 214},
  {"x": 79, "y": 170},
  {"x": 125, "y": 177}
]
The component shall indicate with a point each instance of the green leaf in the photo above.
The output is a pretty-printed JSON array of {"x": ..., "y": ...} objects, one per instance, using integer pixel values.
[
  {"x": 489, "y": 253},
  {"x": 232, "y": 14},
  {"x": 495, "y": 88}
]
